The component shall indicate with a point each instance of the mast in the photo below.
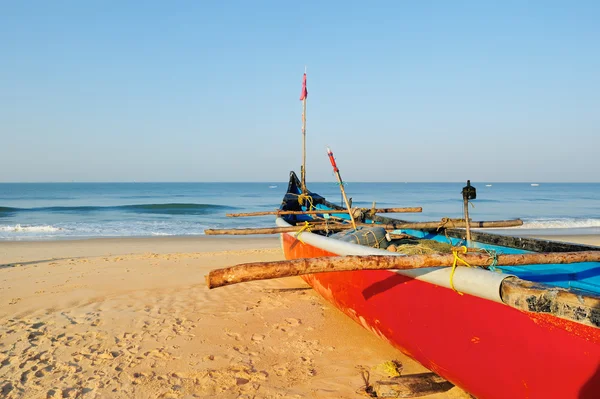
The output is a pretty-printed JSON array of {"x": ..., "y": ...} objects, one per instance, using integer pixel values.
[
  {"x": 303, "y": 97},
  {"x": 339, "y": 179}
]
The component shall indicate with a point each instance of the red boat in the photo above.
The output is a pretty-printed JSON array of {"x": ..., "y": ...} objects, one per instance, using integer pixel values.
[{"x": 470, "y": 333}]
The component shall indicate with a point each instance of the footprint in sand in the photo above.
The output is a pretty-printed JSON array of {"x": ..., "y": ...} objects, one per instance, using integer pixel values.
[
  {"x": 159, "y": 353},
  {"x": 257, "y": 337},
  {"x": 7, "y": 388},
  {"x": 244, "y": 351},
  {"x": 281, "y": 369},
  {"x": 293, "y": 322},
  {"x": 14, "y": 301},
  {"x": 233, "y": 335}
]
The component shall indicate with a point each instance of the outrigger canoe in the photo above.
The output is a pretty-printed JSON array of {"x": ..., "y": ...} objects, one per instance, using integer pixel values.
[{"x": 463, "y": 327}]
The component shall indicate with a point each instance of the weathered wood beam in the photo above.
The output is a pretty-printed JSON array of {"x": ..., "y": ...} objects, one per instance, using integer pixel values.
[
  {"x": 412, "y": 386},
  {"x": 276, "y": 230},
  {"x": 393, "y": 210},
  {"x": 452, "y": 223},
  {"x": 526, "y": 243},
  {"x": 534, "y": 297},
  {"x": 340, "y": 226},
  {"x": 325, "y": 211},
  {"x": 269, "y": 270}
]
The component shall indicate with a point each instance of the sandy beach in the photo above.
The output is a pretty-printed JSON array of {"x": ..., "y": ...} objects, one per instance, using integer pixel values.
[{"x": 132, "y": 318}]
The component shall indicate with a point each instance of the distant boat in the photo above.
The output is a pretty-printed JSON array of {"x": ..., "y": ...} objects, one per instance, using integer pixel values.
[
  {"x": 488, "y": 185},
  {"x": 534, "y": 184},
  {"x": 272, "y": 186}
]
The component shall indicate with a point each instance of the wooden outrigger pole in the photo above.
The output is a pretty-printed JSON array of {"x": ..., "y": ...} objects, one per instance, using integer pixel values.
[
  {"x": 444, "y": 224},
  {"x": 326, "y": 211},
  {"x": 303, "y": 97},
  {"x": 297, "y": 267}
]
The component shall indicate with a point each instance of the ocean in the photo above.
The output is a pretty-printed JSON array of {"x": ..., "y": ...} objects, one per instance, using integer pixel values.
[{"x": 49, "y": 211}]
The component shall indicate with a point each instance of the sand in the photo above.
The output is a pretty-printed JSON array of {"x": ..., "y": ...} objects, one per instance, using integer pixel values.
[{"x": 132, "y": 318}]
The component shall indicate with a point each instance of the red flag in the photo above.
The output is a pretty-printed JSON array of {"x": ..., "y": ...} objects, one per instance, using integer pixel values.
[
  {"x": 304, "y": 93},
  {"x": 332, "y": 160}
]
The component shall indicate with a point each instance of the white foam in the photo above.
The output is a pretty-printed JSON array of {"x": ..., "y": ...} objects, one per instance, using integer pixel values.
[
  {"x": 565, "y": 223},
  {"x": 30, "y": 229},
  {"x": 102, "y": 229}
]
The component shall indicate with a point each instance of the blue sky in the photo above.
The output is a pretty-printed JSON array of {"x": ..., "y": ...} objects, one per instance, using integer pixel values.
[{"x": 208, "y": 90}]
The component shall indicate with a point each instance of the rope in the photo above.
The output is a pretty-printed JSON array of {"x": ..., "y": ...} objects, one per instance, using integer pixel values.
[
  {"x": 443, "y": 223},
  {"x": 377, "y": 242},
  {"x": 371, "y": 232},
  {"x": 308, "y": 198},
  {"x": 454, "y": 263},
  {"x": 304, "y": 228},
  {"x": 472, "y": 206},
  {"x": 494, "y": 255},
  {"x": 341, "y": 184},
  {"x": 364, "y": 234},
  {"x": 460, "y": 243}
]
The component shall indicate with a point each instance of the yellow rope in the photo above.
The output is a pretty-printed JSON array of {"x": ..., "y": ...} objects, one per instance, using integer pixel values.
[
  {"x": 308, "y": 198},
  {"x": 304, "y": 228},
  {"x": 456, "y": 260}
]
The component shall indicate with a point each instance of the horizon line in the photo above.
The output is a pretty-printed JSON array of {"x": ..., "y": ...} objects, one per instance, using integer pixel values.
[{"x": 285, "y": 182}]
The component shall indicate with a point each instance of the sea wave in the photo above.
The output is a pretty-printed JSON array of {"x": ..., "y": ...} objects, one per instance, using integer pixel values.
[
  {"x": 174, "y": 208},
  {"x": 168, "y": 209},
  {"x": 114, "y": 228},
  {"x": 30, "y": 229},
  {"x": 560, "y": 223}
]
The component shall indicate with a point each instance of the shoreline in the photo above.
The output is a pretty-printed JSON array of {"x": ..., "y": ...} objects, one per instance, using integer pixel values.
[
  {"x": 197, "y": 243},
  {"x": 586, "y": 239},
  {"x": 12, "y": 252}
]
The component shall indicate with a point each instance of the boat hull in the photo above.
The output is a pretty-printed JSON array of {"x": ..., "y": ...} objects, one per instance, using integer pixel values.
[{"x": 485, "y": 347}]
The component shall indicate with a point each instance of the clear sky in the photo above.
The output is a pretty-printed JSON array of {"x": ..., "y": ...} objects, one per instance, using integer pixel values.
[{"x": 209, "y": 90}]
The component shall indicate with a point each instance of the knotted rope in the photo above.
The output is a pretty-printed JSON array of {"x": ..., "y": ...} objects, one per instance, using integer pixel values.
[
  {"x": 306, "y": 197},
  {"x": 454, "y": 263},
  {"x": 306, "y": 227}
]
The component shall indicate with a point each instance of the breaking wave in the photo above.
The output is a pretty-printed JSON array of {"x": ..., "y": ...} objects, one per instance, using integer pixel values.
[
  {"x": 165, "y": 209},
  {"x": 560, "y": 223},
  {"x": 30, "y": 229}
]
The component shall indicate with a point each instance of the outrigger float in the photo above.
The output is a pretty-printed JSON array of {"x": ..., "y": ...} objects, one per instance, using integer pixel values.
[{"x": 499, "y": 316}]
